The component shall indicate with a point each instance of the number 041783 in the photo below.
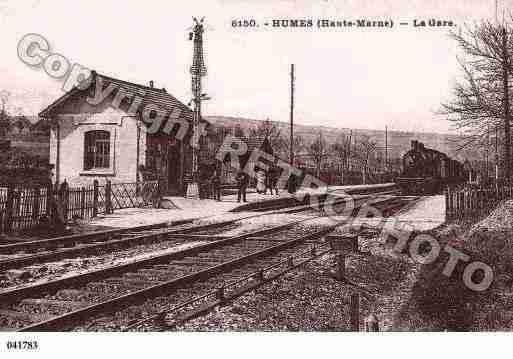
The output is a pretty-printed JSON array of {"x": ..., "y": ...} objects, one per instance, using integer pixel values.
[{"x": 22, "y": 345}]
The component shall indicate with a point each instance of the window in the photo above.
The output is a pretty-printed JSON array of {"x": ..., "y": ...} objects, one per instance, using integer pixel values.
[{"x": 96, "y": 149}]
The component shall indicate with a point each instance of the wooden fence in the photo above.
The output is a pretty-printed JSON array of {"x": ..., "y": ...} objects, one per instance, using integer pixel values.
[
  {"x": 471, "y": 204},
  {"x": 24, "y": 207}
]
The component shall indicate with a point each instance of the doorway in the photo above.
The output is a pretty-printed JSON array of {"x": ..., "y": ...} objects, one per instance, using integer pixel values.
[{"x": 174, "y": 169}]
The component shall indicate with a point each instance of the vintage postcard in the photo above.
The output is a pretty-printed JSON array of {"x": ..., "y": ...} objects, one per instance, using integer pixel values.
[{"x": 259, "y": 169}]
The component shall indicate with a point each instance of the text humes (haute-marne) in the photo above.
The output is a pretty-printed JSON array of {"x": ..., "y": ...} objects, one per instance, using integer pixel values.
[{"x": 322, "y": 23}]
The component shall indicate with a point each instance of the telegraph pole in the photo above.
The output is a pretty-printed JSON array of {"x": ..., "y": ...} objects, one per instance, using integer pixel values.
[
  {"x": 496, "y": 127},
  {"x": 198, "y": 70},
  {"x": 292, "y": 114},
  {"x": 506, "y": 104},
  {"x": 496, "y": 155},
  {"x": 386, "y": 148}
]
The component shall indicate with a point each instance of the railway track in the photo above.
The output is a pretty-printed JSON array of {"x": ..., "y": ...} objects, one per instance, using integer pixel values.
[
  {"x": 106, "y": 289},
  {"x": 287, "y": 257},
  {"x": 67, "y": 302},
  {"x": 13, "y": 256}
]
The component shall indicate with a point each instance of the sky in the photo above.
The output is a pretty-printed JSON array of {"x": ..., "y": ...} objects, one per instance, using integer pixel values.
[{"x": 350, "y": 78}]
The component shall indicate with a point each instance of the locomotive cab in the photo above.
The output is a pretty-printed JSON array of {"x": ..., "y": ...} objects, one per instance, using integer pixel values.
[{"x": 427, "y": 171}]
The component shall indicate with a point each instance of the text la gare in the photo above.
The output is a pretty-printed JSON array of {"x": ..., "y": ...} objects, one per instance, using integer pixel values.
[{"x": 432, "y": 22}]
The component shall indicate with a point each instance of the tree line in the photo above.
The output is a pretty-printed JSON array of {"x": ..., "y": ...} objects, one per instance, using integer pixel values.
[
  {"x": 480, "y": 105},
  {"x": 347, "y": 150}
]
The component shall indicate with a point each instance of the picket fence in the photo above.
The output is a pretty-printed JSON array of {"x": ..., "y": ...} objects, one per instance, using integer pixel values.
[
  {"x": 24, "y": 207},
  {"x": 471, "y": 204}
]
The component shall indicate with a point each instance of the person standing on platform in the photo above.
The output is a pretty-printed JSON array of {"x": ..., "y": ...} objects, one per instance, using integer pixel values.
[
  {"x": 268, "y": 184},
  {"x": 273, "y": 179},
  {"x": 242, "y": 184},
  {"x": 293, "y": 182},
  {"x": 260, "y": 187},
  {"x": 216, "y": 185}
]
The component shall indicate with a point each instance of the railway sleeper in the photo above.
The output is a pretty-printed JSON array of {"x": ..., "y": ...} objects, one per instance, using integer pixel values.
[
  {"x": 251, "y": 267},
  {"x": 141, "y": 276},
  {"x": 103, "y": 287},
  {"x": 216, "y": 259},
  {"x": 203, "y": 260},
  {"x": 181, "y": 294},
  {"x": 254, "y": 242},
  {"x": 80, "y": 295},
  {"x": 232, "y": 253},
  {"x": 132, "y": 282},
  {"x": 216, "y": 253},
  {"x": 147, "y": 281},
  {"x": 198, "y": 262},
  {"x": 168, "y": 272},
  {"x": 39, "y": 305},
  {"x": 23, "y": 316},
  {"x": 198, "y": 237},
  {"x": 122, "y": 283},
  {"x": 175, "y": 270},
  {"x": 153, "y": 273},
  {"x": 234, "y": 273},
  {"x": 231, "y": 276}
]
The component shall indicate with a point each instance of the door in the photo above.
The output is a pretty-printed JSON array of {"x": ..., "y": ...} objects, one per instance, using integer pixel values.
[{"x": 174, "y": 168}]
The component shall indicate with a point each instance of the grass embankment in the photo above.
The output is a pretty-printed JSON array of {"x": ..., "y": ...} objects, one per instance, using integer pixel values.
[{"x": 439, "y": 302}]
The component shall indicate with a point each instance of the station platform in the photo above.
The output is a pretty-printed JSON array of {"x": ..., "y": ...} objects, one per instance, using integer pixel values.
[
  {"x": 179, "y": 208},
  {"x": 256, "y": 200},
  {"x": 227, "y": 203},
  {"x": 423, "y": 215},
  {"x": 426, "y": 214}
]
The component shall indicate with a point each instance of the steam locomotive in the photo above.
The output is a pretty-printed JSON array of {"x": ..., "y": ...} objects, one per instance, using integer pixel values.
[{"x": 427, "y": 171}]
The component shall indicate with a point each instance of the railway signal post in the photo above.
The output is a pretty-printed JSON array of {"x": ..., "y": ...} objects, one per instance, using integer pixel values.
[
  {"x": 198, "y": 70},
  {"x": 292, "y": 114}
]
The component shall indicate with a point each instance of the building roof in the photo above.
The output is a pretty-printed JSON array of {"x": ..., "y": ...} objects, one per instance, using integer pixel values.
[{"x": 150, "y": 95}]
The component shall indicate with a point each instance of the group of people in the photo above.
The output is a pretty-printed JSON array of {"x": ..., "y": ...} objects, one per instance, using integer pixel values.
[
  {"x": 267, "y": 181},
  {"x": 242, "y": 185},
  {"x": 264, "y": 181}
]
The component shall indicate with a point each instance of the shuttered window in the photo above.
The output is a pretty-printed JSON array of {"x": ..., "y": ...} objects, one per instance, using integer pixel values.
[{"x": 96, "y": 149}]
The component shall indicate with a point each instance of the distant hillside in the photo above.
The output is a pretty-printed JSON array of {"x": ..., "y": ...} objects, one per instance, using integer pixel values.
[{"x": 398, "y": 141}]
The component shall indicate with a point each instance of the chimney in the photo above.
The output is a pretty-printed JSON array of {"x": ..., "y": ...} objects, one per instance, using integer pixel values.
[
  {"x": 164, "y": 89},
  {"x": 151, "y": 83}
]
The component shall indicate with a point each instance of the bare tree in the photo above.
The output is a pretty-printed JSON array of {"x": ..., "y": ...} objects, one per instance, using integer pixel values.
[
  {"x": 318, "y": 151},
  {"x": 5, "y": 120},
  {"x": 342, "y": 150},
  {"x": 481, "y": 100},
  {"x": 266, "y": 129},
  {"x": 365, "y": 148},
  {"x": 282, "y": 144}
]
